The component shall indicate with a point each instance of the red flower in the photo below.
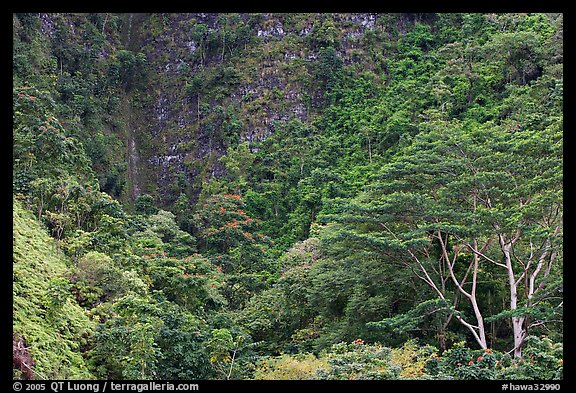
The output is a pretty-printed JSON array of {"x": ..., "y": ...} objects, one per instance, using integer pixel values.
[
  {"x": 470, "y": 362},
  {"x": 479, "y": 358},
  {"x": 488, "y": 351}
]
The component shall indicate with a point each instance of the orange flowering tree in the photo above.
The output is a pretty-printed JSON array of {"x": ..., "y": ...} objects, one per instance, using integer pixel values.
[
  {"x": 232, "y": 239},
  {"x": 223, "y": 223}
]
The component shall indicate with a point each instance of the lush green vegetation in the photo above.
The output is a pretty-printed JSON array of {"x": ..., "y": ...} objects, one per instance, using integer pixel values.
[{"x": 292, "y": 196}]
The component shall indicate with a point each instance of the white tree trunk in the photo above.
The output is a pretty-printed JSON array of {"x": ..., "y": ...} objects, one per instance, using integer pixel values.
[{"x": 517, "y": 322}]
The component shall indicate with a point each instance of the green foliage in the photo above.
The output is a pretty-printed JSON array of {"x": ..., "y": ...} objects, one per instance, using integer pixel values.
[
  {"x": 460, "y": 362},
  {"x": 542, "y": 360},
  {"x": 125, "y": 346},
  {"x": 190, "y": 282},
  {"x": 410, "y": 360},
  {"x": 229, "y": 235},
  {"x": 460, "y": 184},
  {"x": 144, "y": 204},
  {"x": 54, "y": 326},
  {"x": 357, "y": 361},
  {"x": 329, "y": 68},
  {"x": 289, "y": 367},
  {"x": 151, "y": 338},
  {"x": 342, "y": 361},
  {"x": 128, "y": 69},
  {"x": 97, "y": 279},
  {"x": 428, "y": 313},
  {"x": 178, "y": 243},
  {"x": 226, "y": 350},
  {"x": 41, "y": 145},
  {"x": 304, "y": 180},
  {"x": 268, "y": 319},
  {"x": 324, "y": 33}
]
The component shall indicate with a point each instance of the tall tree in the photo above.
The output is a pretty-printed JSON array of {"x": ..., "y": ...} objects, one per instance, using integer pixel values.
[{"x": 464, "y": 196}]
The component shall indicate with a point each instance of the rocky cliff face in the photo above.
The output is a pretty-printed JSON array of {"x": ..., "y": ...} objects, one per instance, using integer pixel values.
[
  {"x": 218, "y": 79},
  {"x": 188, "y": 86}
]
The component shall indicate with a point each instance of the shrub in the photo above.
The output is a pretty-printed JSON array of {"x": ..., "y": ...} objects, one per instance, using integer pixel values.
[{"x": 290, "y": 367}]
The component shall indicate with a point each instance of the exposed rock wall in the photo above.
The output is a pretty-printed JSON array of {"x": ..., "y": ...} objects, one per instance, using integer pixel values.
[{"x": 255, "y": 72}]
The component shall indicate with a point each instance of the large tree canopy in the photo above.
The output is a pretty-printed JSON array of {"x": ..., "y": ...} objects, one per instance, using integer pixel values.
[{"x": 465, "y": 202}]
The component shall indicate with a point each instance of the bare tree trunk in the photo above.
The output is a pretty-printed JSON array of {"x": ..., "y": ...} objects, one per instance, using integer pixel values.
[
  {"x": 517, "y": 322},
  {"x": 40, "y": 206},
  {"x": 104, "y": 24},
  {"x": 478, "y": 330},
  {"x": 232, "y": 363},
  {"x": 223, "y": 46}
]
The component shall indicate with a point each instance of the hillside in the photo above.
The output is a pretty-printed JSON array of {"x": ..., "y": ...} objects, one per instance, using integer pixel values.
[
  {"x": 288, "y": 196},
  {"x": 47, "y": 321}
]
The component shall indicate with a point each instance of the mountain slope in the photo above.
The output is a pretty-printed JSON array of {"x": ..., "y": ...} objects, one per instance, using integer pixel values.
[{"x": 46, "y": 319}]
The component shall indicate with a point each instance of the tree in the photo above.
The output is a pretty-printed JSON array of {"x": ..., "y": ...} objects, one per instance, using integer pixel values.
[
  {"x": 145, "y": 205},
  {"x": 192, "y": 282},
  {"x": 230, "y": 236},
  {"x": 129, "y": 69},
  {"x": 223, "y": 223},
  {"x": 328, "y": 69},
  {"x": 466, "y": 199},
  {"x": 238, "y": 162},
  {"x": 224, "y": 350}
]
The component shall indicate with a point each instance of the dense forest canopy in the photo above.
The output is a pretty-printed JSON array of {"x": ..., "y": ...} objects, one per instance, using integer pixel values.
[{"x": 287, "y": 196}]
